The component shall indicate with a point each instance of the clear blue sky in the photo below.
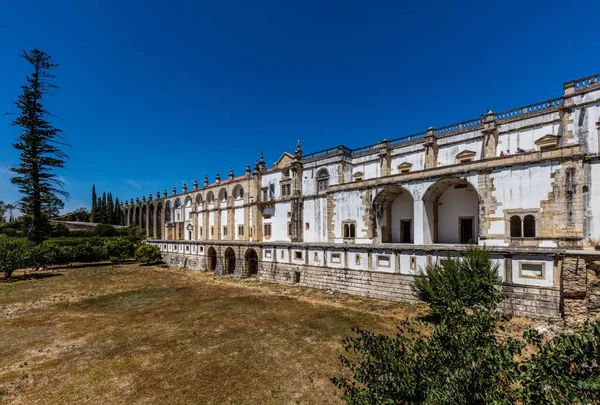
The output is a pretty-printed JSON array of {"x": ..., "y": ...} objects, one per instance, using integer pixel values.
[{"x": 155, "y": 93}]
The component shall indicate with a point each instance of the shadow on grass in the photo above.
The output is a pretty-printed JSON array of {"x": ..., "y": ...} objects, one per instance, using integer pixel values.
[{"x": 29, "y": 276}]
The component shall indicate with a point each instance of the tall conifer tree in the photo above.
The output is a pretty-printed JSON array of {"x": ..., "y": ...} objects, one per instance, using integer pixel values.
[
  {"x": 94, "y": 202},
  {"x": 39, "y": 142}
]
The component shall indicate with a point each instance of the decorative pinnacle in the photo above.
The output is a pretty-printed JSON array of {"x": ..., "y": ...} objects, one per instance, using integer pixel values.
[
  {"x": 299, "y": 150},
  {"x": 150, "y": 197},
  {"x": 174, "y": 191},
  {"x": 195, "y": 184},
  {"x": 165, "y": 192},
  {"x": 248, "y": 168},
  {"x": 231, "y": 176},
  {"x": 143, "y": 198},
  {"x": 158, "y": 194},
  {"x": 184, "y": 188},
  {"x": 206, "y": 181}
]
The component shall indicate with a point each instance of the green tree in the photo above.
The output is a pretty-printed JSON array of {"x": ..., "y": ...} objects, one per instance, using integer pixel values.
[
  {"x": 94, "y": 204},
  {"x": 117, "y": 212},
  {"x": 39, "y": 142},
  {"x": 110, "y": 209},
  {"x": 51, "y": 205},
  {"x": 469, "y": 281},
  {"x": 14, "y": 254},
  {"x": 10, "y": 208},
  {"x": 3, "y": 210},
  {"x": 148, "y": 254}
]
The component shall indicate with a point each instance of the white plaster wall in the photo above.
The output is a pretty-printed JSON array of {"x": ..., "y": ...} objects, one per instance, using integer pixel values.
[
  {"x": 309, "y": 176},
  {"x": 279, "y": 221},
  {"x": 525, "y": 138},
  {"x": 417, "y": 159},
  {"x": 363, "y": 258},
  {"x": 224, "y": 223},
  {"x": 239, "y": 220},
  {"x": 520, "y": 187},
  {"x": 348, "y": 206},
  {"x": 271, "y": 178},
  {"x": 178, "y": 217},
  {"x": 283, "y": 255},
  {"x": 316, "y": 257},
  {"x": 211, "y": 223},
  {"x": 265, "y": 251},
  {"x": 584, "y": 127},
  {"x": 548, "y": 266},
  {"x": 315, "y": 213},
  {"x": 402, "y": 209},
  {"x": 421, "y": 262},
  {"x": 447, "y": 154},
  {"x": 453, "y": 204},
  {"x": 593, "y": 212},
  {"x": 341, "y": 263},
  {"x": 302, "y": 258},
  {"x": 380, "y": 257}
]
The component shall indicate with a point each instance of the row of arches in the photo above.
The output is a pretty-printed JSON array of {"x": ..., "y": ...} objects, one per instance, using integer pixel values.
[
  {"x": 448, "y": 213},
  {"x": 227, "y": 263}
]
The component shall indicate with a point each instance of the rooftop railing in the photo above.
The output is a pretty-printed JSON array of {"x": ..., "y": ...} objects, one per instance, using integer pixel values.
[
  {"x": 469, "y": 124},
  {"x": 584, "y": 82}
]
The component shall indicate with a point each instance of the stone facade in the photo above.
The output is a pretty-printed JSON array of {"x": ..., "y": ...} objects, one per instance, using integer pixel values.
[{"x": 521, "y": 181}]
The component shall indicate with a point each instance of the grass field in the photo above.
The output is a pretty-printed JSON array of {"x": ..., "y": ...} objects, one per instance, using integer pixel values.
[{"x": 152, "y": 335}]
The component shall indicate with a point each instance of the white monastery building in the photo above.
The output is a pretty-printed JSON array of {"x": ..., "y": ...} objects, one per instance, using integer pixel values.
[{"x": 524, "y": 183}]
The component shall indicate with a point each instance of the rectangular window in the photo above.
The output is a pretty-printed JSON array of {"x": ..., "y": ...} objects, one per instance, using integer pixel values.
[
  {"x": 200, "y": 231},
  {"x": 296, "y": 277},
  {"x": 289, "y": 228},
  {"x": 286, "y": 189},
  {"x": 268, "y": 254},
  {"x": 251, "y": 228},
  {"x": 212, "y": 231},
  {"x": 357, "y": 259},
  {"x": 298, "y": 255},
  {"x": 532, "y": 270},
  {"x": 336, "y": 258},
  {"x": 383, "y": 261},
  {"x": 307, "y": 226},
  {"x": 316, "y": 257},
  {"x": 282, "y": 254},
  {"x": 225, "y": 230},
  {"x": 413, "y": 262},
  {"x": 268, "y": 230},
  {"x": 322, "y": 184},
  {"x": 240, "y": 230}
]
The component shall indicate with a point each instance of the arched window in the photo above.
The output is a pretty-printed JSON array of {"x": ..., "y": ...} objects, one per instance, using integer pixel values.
[
  {"x": 529, "y": 226},
  {"x": 352, "y": 231},
  {"x": 223, "y": 195},
  {"x": 346, "y": 231},
  {"x": 177, "y": 203},
  {"x": 238, "y": 193},
  {"x": 210, "y": 197},
  {"x": 322, "y": 179},
  {"x": 515, "y": 227}
]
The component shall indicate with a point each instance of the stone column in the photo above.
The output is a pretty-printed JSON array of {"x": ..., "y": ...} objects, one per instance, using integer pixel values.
[
  {"x": 419, "y": 222},
  {"x": 431, "y": 149},
  {"x": 490, "y": 134},
  {"x": 231, "y": 220},
  {"x": 205, "y": 225},
  {"x": 155, "y": 222},
  {"x": 147, "y": 221},
  {"x": 385, "y": 158},
  {"x": 217, "y": 235}
]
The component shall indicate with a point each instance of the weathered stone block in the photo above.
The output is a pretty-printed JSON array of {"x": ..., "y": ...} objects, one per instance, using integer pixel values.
[{"x": 574, "y": 278}]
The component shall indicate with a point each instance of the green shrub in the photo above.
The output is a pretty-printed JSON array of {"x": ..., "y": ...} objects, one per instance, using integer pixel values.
[
  {"x": 119, "y": 248},
  {"x": 105, "y": 230},
  {"x": 148, "y": 254},
  {"x": 59, "y": 230},
  {"x": 14, "y": 253},
  {"x": 468, "y": 282}
]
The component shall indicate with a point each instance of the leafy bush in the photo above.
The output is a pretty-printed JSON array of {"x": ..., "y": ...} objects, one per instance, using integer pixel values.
[
  {"x": 119, "y": 248},
  {"x": 59, "y": 230},
  {"x": 468, "y": 282},
  {"x": 105, "y": 230},
  {"x": 148, "y": 254},
  {"x": 465, "y": 358},
  {"x": 14, "y": 253}
]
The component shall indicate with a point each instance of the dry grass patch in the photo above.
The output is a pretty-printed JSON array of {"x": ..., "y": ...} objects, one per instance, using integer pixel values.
[{"x": 132, "y": 334}]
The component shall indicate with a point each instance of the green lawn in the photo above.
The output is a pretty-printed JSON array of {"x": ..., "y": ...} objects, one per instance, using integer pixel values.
[{"x": 136, "y": 334}]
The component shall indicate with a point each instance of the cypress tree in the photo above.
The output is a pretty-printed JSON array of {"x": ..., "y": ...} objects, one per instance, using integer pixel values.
[
  {"x": 117, "y": 214},
  {"x": 94, "y": 201},
  {"x": 39, "y": 143},
  {"x": 110, "y": 210},
  {"x": 99, "y": 211}
]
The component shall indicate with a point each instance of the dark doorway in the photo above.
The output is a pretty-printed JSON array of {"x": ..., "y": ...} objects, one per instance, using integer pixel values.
[
  {"x": 405, "y": 227},
  {"x": 251, "y": 263},
  {"x": 211, "y": 259},
  {"x": 466, "y": 230},
  {"x": 229, "y": 261}
]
